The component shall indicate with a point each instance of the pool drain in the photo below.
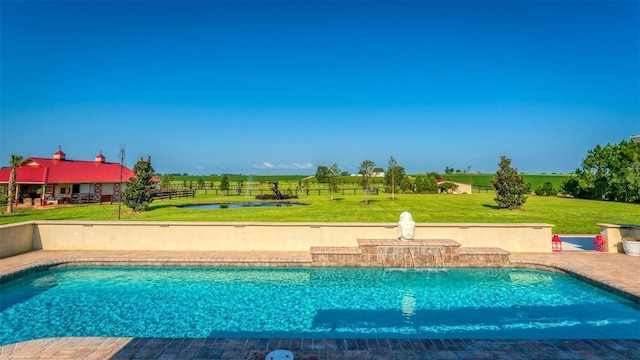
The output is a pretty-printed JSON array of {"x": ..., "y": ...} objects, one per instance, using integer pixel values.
[{"x": 279, "y": 355}]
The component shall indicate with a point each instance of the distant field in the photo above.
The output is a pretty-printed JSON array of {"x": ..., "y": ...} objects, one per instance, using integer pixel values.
[
  {"x": 244, "y": 178},
  {"x": 291, "y": 181}
]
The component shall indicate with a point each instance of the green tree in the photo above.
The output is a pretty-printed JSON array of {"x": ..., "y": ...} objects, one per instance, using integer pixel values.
[
  {"x": 511, "y": 188},
  {"x": 426, "y": 184},
  {"x": 138, "y": 194},
  {"x": 224, "y": 182},
  {"x": 393, "y": 177},
  {"x": 200, "y": 183},
  {"x": 406, "y": 185},
  {"x": 321, "y": 174},
  {"x": 14, "y": 162},
  {"x": 366, "y": 170},
  {"x": 610, "y": 172},
  {"x": 435, "y": 175},
  {"x": 448, "y": 187},
  {"x": 166, "y": 182},
  {"x": 547, "y": 189},
  {"x": 333, "y": 177},
  {"x": 420, "y": 184}
]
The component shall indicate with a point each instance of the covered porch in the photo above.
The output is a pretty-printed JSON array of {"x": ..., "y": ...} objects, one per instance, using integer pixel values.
[{"x": 58, "y": 194}]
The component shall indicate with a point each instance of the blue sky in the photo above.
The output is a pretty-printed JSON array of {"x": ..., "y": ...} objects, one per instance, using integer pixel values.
[{"x": 281, "y": 87}]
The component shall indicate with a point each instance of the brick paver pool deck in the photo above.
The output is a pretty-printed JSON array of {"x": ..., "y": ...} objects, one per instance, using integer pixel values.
[{"x": 616, "y": 272}]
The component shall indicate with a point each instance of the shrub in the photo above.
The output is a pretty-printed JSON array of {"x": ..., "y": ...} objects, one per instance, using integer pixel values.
[
  {"x": 448, "y": 187},
  {"x": 224, "y": 183},
  {"x": 426, "y": 184},
  {"x": 511, "y": 188},
  {"x": 139, "y": 192},
  {"x": 274, "y": 197},
  {"x": 546, "y": 190}
]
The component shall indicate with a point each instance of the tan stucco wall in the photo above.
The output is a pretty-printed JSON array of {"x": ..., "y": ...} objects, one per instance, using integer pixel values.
[
  {"x": 510, "y": 237},
  {"x": 210, "y": 236},
  {"x": 203, "y": 236},
  {"x": 463, "y": 188},
  {"x": 613, "y": 234},
  {"x": 16, "y": 239}
]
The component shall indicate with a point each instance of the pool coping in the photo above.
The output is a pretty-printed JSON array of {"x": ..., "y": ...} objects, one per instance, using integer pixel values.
[{"x": 614, "y": 272}]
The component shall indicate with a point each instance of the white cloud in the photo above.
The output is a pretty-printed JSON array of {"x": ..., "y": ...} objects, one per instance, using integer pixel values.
[
  {"x": 302, "y": 166},
  {"x": 297, "y": 166},
  {"x": 265, "y": 165},
  {"x": 200, "y": 167}
]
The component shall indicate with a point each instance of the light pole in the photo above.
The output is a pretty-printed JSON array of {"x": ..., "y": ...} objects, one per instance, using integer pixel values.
[{"x": 120, "y": 186}]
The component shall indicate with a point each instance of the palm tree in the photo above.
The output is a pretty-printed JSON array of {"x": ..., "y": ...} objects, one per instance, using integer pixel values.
[{"x": 14, "y": 162}]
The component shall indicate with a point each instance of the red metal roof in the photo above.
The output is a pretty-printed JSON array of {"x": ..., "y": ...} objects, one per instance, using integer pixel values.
[{"x": 53, "y": 171}]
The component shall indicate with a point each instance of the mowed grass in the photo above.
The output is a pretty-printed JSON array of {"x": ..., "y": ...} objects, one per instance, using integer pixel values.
[{"x": 569, "y": 216}]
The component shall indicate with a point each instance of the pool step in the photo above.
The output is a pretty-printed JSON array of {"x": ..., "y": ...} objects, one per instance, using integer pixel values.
[
  {"x": 187, "y": 258},
  {"x": 338, "y": 256},
  {"x": 417, "y": 253},
  {"x": 482, "y": 257}
]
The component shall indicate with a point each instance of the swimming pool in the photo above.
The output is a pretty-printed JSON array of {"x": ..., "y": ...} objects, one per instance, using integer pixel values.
[{"x": 310, "y": 303}]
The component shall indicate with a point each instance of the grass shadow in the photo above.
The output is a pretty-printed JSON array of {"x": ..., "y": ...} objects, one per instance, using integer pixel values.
[
  {"x": 162, "y": 206},
  {"x": 495, "y": 207}
]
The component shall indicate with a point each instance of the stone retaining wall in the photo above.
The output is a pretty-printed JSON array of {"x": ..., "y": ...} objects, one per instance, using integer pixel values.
[{"x": 409, "y": 254}]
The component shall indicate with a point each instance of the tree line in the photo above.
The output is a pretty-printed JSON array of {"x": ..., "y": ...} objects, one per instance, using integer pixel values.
[{"x": 610, "y": 172}]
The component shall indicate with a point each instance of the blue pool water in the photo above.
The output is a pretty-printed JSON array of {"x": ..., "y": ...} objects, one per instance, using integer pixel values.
[{"x": 317, "y": 303}]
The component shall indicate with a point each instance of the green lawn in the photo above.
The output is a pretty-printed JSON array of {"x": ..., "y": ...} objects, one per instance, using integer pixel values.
[{"x": 570, "y": 216}]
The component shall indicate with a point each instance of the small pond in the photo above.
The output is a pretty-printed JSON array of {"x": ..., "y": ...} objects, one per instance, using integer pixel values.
[{"x": 235, "y": 205}]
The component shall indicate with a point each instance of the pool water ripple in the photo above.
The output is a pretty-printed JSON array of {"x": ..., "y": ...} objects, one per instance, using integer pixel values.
[{"x": 312, "y": 303}]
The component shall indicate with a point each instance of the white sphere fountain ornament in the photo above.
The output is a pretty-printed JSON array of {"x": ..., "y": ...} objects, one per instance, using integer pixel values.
[{"x": 406, "y": 227}]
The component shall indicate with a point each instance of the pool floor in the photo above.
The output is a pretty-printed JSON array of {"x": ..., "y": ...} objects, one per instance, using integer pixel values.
[
  {"x": 318, "y": 302},
  {"x": 618, "y": 272}
]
